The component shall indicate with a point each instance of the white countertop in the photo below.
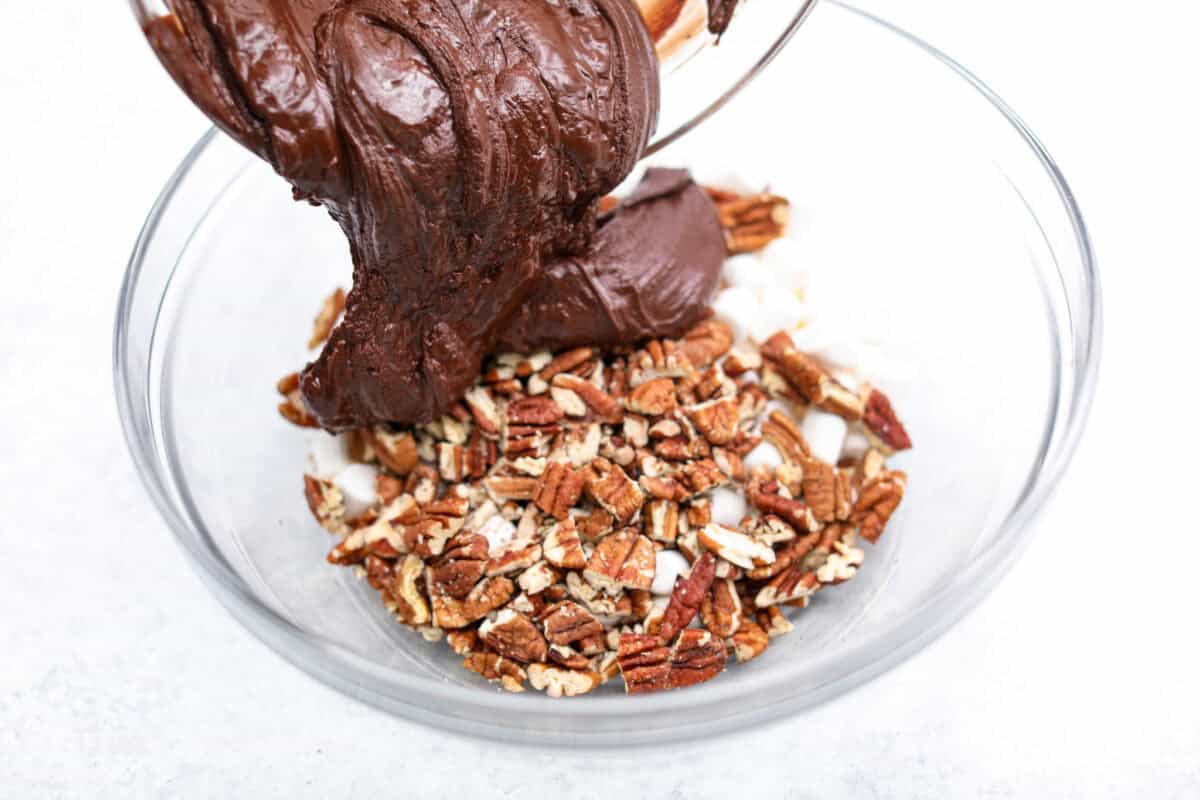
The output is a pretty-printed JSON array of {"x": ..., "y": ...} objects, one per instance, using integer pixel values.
[{"x": 120, "y": 676}]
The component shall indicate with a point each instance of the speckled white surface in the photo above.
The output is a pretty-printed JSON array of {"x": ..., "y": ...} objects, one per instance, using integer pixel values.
[{"x": 121, "y": 677}]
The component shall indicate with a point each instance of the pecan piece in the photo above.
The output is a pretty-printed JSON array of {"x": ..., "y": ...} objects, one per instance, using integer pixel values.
[
  {"x": 735, "y": 546},
  {"x": 567, "y": 622},
  {"x": 510, "y": 487},
  {"x": 326, "y": 503},
  {"x": 396, "y": 451},
  {"x": 495, "y": 667},
  {"x": 702, "y": 475},
  {"x": 706, "y": 342},
  {"x": 514, "y": 636},
  {"x": 817, "y": 386},
  {"x": 602, "y": 404},
  {"x": 461, "y": 565},
  {"x": 820, "y": 488},
  {"x": 791, "y": 584},
  {"x": 562, "y": 546},
  {"x": 686, "y": 597},
  {"x": 717, "y": 420},
  {"x": 611, "y": 489},
  {"x": 558, "y": 488},
  {"x": 483, "y": 408},
  {"x": 647, "y": 666},
  {"x": 487, "y": 595},
  {"x": 749, "y": 641},
  {"x": 565, "y": 362},
  {"x": 782, "y": 431},
  {"x": 558, "y": 682},
  {"x": 622, "y": 560},
  {"x": 411, "y": 605},
  {"x": 877, "y": 503},
  {"x": 292, "y": 408},
  {"x": 721, "y": 609},
  {"x": 538, "y": 578},
  {"x": 652, "y": 398},
  {"x": 793, "y": 512},
  {"x": 751, "y": 222},
  {"x": 660, "y": 520},
  {"x": 883, "y": 426},
  {"x": 331, "y": 309}
]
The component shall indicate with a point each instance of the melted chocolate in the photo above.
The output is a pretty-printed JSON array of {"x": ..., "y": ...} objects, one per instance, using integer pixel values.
[
  {"x": 462, "y": 145},
  {"x": 720, "y": 12}
]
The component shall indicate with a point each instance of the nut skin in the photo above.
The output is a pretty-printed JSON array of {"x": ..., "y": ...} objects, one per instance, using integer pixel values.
[
  {"x": 460, "y": 566},
  {"x": 514, "y": 636},
  {"x": 623, "y": 560},
  {"x": 567, "y": 622},
  {"x": 880, "y": 419},
  {"x": 649, "y": 666},
  {"x": 558, "y": 489}
]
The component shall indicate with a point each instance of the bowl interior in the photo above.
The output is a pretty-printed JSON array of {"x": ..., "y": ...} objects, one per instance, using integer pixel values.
[{"x": 928, "y": 222}]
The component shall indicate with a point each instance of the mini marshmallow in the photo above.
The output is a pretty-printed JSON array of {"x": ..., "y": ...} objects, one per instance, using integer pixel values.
[
  {"x": 668, "y": 565},
  {"x": 777, "y": 309},
  {"x": 747, "y": 271},
  {"x": 784, "y": 262},
  {"x": 328, "y": 454},
  {"x": 855, "y": 446},
  {"x": 357, "y": 483},
  {"x": 498, "y": 531},
  {"x": 765, "y": 455},
  {"x": 825, "y": 434},
  {"x": 734, "y": 306},
  {"x": 728, "y": 507}
]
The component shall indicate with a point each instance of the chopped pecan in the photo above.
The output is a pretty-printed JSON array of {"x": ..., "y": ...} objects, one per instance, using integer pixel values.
[
  {"x": 292, "y": 408},
  {"x": 721, "y": 609},
  {"x": 717, "y": 420},
  {"x": 565, "y": 362},
  {"x": 660, "y": 520},
  {"x": 699, "y": 512},
  {"x": 483, "y": 408},
  {"x": 331, "y": 309},
  {"x": 730, "y": 464},
  {"x": 882, "y": 424},
  {"x": 739, "y": 362},
  {"x": 562, "y": 546},
  {"x": 820, "y": 489},
  {"x": 582, "y": 444},
  {"x": 567, "y": 657},
  {"x": 749, "y": 641},
  {"x": 396, "y": 451},
  {"x": 567, "y": 622},
  {"x": 658, "y": 360},
  {"x": 816, "y": 385},
  {"x": 772, "y": 620},
  {"x": 706, "y": 342},
  {"x": 388, "y": 487},
  {"x": 511, "y": 487},
  {"x": 702, "y": 475},
  {"x": 735, "y": 546},
  {"x": 602, "y": 404},
  {"x": 841, "y": 565},
  {"x": 663, "y": 488},
  {"x": 411, "y": 605},
  {"x": 326, "y": 503},
  {"x": 648, "y": 666},
  {"x": 622, "y": 560},
  {"x": 751, "y": 222},
  {"x": 558, "y": 682},
  {"x": 877, "y": 503},
  {"x": 488, "y": 595},
  {"x": 791, "y": 584},
  {"x": 463, "y": 642},
  {"x": 558, "y": 488},
  {"x": 514, "y": 636},
  {"x": 496, "y": 667},
  {"x": 452, "y": 461},
  {"x": 791, "y": 553},
  {"x": 571, "y": 403},
  {"x": 781, "y": 430},
  {"x": 538, "y": 578},
  {"x": 686, "y": 596},
  {"x": 611, "y": 489},
  {"x": 652, "y": 398},
  {"x": 461, "y": 565},
  {"x": 597, "y": 523},
  {"x": 519, "y": 554},
  {"x": 791, "y": 511}
]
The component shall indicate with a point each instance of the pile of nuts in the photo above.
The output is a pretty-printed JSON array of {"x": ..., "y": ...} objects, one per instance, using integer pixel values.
[{"x": 569, "y": 520}]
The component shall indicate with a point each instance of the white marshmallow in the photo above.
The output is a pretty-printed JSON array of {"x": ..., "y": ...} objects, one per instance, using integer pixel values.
[
  {"x": 498, "y": 531},
  {"x": 747, "y": 271},
  {"x": 357, "y": 483},
  {"x": 735, "y": 306},
  {"x": 777, "y": 310},
  {"x": 825, "y": 434},
  {"x": 765, "y": 455},
  {"x": 728, "y": 507},
  {"x": 327, "y": 454},
  {"x": 668, "y": 565},
  {"x": 784, "y": 262},
  {"x": 856, "y": 445}
]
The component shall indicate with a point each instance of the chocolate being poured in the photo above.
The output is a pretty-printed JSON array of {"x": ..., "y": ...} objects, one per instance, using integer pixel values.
[{"x": 462, "y": 146}]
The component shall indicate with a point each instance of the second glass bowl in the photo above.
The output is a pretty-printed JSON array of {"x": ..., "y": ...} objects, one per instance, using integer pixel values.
[{"x": 924, "y": 209}]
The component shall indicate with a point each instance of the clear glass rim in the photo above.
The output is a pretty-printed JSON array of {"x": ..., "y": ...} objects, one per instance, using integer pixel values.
[{"x": 648, "y": 717}]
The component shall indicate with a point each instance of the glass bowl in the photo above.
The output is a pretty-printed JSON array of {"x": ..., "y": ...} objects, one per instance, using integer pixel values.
[{"x": 925, "y": 211}]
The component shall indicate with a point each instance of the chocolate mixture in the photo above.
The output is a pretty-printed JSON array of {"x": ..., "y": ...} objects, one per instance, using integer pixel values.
[{"x": 462, "y": 146}]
